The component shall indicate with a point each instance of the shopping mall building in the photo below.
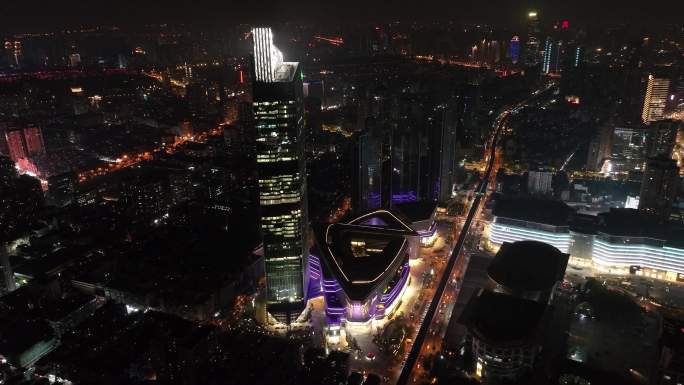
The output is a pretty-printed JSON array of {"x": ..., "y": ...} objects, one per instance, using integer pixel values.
[
  {"x": 619, "y": 242},
  {"x": 364, "y": 265}
]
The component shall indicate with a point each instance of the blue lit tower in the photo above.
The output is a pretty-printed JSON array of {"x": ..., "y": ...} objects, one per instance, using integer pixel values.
[
  {"x": 515, "y": 49},
  {"x": 279, "y": 123}
]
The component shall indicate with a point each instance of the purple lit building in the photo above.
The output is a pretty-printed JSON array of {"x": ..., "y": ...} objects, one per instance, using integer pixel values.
[
  {"x": 364, "y": 265},
  {"x": 421, "y": 216}
]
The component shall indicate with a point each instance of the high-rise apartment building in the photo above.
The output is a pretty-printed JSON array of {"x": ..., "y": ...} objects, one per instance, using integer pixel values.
[
  {"x": 279, "y": 123},
  {"x": 372, "y": 171},
  {"x": 444, "y": 146},
  {"x": 659, "y": 186},
  {"x": 655, "y": 98},
  {"x": 662, "y": 137}
]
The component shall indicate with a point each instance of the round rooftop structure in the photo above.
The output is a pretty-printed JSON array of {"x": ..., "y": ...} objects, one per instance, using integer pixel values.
[{"x": 528, "y": 266}]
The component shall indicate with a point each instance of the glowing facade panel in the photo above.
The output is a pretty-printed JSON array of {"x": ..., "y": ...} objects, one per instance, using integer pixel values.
[
  {"x": 618, "y": 253},
  {"x": 642, "y": 255},
  {"x": 267, "y": 57},
  {"x": 498, "y": 234}
]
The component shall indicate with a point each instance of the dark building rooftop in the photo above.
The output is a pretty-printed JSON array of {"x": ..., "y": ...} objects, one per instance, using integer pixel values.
[
  {"x": 417, "y": 211},
  {"x": 528, "y": 266},
  {"x": 633, "y": 223},
  {"x": 501, "y": 319},
  {"x": 544, "y": 211},
  {"x": 623, "y": 222}
]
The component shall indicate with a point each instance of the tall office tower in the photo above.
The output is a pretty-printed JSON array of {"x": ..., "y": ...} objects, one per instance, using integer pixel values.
[
  {"x": 281, "y": 168},
  {"x": 558, "y": 55},
  {"x": 408, "y": 144},
  {"x": 372, "y": 187},
  {"x": 443, "y": 152},
  {"x": 659, "y": 186},
  {"x": 315, "y": 89},
  {"x": 8, "y": 175},
  {"x": 406, "y": 149},
  {"x": 514, "y": 49},
  {"x": 467, "y": 107},
  {"x": 662, "y": 137},
  {"x": 533, "y": 42},
  {"x": 600, "y": 147},
  {"x": 493, "y": 52},
  {"x": 15, "y": 144},
  {"x": 4, "y": 149},
  {"x": 33, "y": 138},
  {"x": 7, "y": 282},
  {"x": 628, "y": 148},
  {"x": 655, "y": 98},
  {"x": 578, "y": 53}
]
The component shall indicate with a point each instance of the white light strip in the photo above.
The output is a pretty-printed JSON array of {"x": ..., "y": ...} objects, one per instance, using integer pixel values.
[
  {"x": 665, "y": 258},
  {"x": 604, "y": 253},
  {"x": 500, "y": 234},
  {"x": 267, "y": 57}
]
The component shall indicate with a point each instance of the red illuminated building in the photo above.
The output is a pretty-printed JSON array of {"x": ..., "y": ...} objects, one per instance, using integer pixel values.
[
  {"x": 33, "y": 139},
  {"x": 15, "y": 144}
]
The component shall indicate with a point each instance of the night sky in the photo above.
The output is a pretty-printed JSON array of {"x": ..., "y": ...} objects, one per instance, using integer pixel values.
[{"x": 29, "y": 15}]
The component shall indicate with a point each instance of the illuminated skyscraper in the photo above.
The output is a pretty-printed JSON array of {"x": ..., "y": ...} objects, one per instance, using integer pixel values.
[
  {"x": 554, "y": 51},
  {"x": 279, "y": 123},
  {"x": 532, "y": 44},
  {"x": 655, "y": 99},
  {"x": 444, "y": 151}
]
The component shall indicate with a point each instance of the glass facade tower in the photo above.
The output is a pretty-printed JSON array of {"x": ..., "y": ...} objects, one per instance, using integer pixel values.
[{"x": 279, "y": 123}]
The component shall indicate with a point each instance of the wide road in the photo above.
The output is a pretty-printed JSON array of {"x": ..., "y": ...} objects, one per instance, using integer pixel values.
[{"x": 480, "y": 192}]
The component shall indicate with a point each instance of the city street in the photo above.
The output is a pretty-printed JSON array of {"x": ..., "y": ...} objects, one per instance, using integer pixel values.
[{"x": 414, "y": 302}]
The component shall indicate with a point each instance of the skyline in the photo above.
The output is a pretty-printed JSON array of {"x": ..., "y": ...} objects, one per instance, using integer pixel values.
[{"x": 285, "y": 197}]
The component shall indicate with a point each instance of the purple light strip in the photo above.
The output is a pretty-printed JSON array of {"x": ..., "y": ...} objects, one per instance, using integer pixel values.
[
  {"x": 314, "y": 272},
  {"x": 428, "y": 233},
  {"x": 334, "y": 309},
  {"x": 409, "y": 196}
]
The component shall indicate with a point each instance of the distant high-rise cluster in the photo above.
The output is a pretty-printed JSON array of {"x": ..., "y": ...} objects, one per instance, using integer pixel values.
[{"x": 409, "y": 153}]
